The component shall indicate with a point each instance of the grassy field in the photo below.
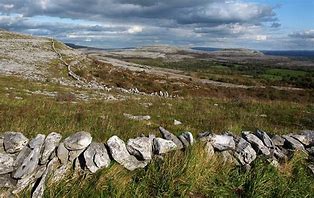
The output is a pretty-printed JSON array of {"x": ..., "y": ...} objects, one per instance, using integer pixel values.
[
  {"x": 187, "y": 173},
  {"x": 246, "y": 74}
]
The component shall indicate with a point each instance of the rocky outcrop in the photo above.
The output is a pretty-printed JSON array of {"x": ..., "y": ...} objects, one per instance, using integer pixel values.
[{"x": 31, "y": 163}]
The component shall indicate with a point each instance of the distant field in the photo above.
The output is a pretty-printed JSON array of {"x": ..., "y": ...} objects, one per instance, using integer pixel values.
[{"x": 247, "y": 74}]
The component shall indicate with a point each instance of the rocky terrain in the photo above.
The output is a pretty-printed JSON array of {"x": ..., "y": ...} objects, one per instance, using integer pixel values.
[
  {"x": 118, "y": 99},
  {"x": 25, "y": 162}
]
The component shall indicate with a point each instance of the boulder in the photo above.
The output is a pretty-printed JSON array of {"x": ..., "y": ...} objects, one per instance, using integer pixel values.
[
  {"x": 6, "y": 163},
  {"x": 141, "y": 148},
  {"x": 22, "y": 156},
  {"x": 169, "y": 136},
  {"x": 121, "y": 155},
  {"x": 62, "y": 153},
  {"x": 278, "y": 140},
  {"x": 96, "y": 157},
  {"x": 30, "y": 163},
  {"x": 292, "y": 143},
  {"x": 177, "y": 122},
  {"x": 14, "y": 142},
  {"x": 222, "y": 142},
  {"x": 78, "y": 141},
  {"x": 265, "y": 138},
  {"x": 51, "y": 142},
  {"x": 244, "y": 152},
  {"x": 256, "y": 143},
  {"x": 302, "y": 138},
  {"x": 162, "y": 146}
]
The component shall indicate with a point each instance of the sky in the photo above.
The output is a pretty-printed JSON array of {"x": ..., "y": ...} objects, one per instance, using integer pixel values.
[{"x": 255, "y": 24}]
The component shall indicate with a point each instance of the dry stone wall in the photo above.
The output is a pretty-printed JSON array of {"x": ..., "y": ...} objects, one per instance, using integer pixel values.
[{"x": 28, "y": 163}]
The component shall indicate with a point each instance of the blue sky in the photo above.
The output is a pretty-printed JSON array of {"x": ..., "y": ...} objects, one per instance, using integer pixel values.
[{"x": 258, "y": 24}]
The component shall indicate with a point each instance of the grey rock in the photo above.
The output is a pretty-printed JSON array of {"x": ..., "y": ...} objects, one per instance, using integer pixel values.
[
  {"x": 31, "y": 162},
  {"x": 184, "y": 141},
  {"x": 292, "y": 143},
  {"x": 1, "y": 145},
  {"x": 6, "y": 163},
  {"x": 75, "y": 154},
  {"x": 310, "y": 150},
  {"x": 265, "y": 138},
  {"x": 256, "y": 143},
  {"x": 121, "y": 155},
  {"x": 96, "y": 157},
  {"x": 278, "y": 140},
  {"x": 14, "y": 142},
  {"x": 6, "y": 181},
  {"x": 37, "y": 141},
  {"x": 209, "y": 149},
  {"x": 38, "y": 191},
  {"x": 169, "y": 136},
  {"x": 302, "y": 138},
  {"x": 60, "y": 173},
  {"x": 162, "y": 146},
  {"x": 222, "y": 142},
  {"x": 51, "y": 142},
  {"x": 311, "y": 167},
  {"x": 280, "y": 154},
  {"x": 189, "y": 137},
  {"x": 62, "y": 153},
  {"x": 141, "y": 148},
  {"x": 78, "y": 141},
  {"x": 309, "y": 135},
  {"x": 22, "y": 156},
  {"x": 244, "y": 152},
  {"x": 29, "y": 179}
]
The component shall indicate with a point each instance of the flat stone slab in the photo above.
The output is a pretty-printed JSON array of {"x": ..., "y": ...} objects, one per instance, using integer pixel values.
[
  {"x": 292, "y": 143},
  {"x": 51, "y": 142},
  {"x": 265, "y": 138},
  {"x": 278, "y": 140},
  {"x": 222, "y": 142},
  {"x": 162, "y": 146},
  {"x": 62, "y": 153},
  {"x": 121, "y": 155},
  {"x": 141, "y": 147},
  {"x": 14, "y": 141},
  {"x": 78, "y": 141}
]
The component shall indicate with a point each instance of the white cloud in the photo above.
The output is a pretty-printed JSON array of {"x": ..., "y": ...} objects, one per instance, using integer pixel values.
[{"x": 135, "y": 29}]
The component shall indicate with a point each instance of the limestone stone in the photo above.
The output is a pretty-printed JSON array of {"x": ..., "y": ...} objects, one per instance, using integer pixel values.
[
  {"x": 96, "y": 157},
  {"x": 78, "y": 141},
  {"x": 278, "y": 140},
  {"x": 169, "y": 136},
  {"x": 14, "y": 142},
  {"x": 162, "y": 146},
  {"x": 222, "y": 142},
  {"x": 256, "y": 143},
  {"x": 141, "y": 148},
  {"x": 6, "y": 163},
  {"x": 51, "y": 142},
  {"x": 244, "y": 152},
  {"x": 121, "y": 155},
  {"x": 292, "y": 143},
  {"x": 62, "y": 153}
]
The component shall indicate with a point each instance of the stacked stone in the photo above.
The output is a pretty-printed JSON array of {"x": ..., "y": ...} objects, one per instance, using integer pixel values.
[{"x": 28, "y": 163}]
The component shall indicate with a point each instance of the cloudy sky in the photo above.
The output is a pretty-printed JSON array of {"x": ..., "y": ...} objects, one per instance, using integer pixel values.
[{"x": 258, "y": 24}]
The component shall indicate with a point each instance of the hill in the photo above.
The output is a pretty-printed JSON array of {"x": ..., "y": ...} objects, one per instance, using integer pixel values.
[{"x": 46, "y": 86}]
